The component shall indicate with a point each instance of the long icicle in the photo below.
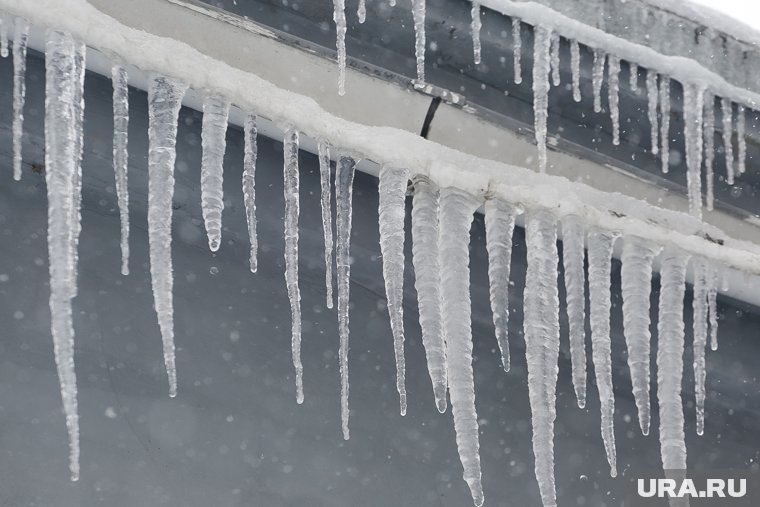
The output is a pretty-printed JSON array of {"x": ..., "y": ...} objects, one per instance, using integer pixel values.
[
  {"x": 599, "y": 272},
  {"x": 541, "y": 42},
  {"x": 541, "y": 330},
  {"x": 693, "y": 105},
  {"x": 323, "y": 150},
  {"x": 164, "y": 101},
  {"x": 392, "y": 212},
  {"x": 250, "y": 150},
  {"x": 78, "y": 140},
  {"x": 741, "y": 141},
  {"x": 500, "y": 223},
  {"x": 573, "y": 236},
  {"x": 339, "y": 17},
  {"x": 652, "y": 103},
  {"x": 425, "y": 239},
  {"x": 344, "y": 181},
  {"x": 636, "y": 277},
  {"x": 664, "y": 97},
  {"x": 291, "y": 190},
  {"x": 554, "y": 47},
  {"x": 119, "y": 79},
  {"x": 728, "y": 132},
  {"x": 60, "y": 162},
  {"x": 670, "y": 330},
  {"x": 215, "y": 113},
  {"x": 699, "y": 325},
  {"x": 517, "y": 49},
  {"x": 20, "y": 38},
  {"x": 475, "y": 26},
  {"x": 575, "y": 69},
  {"x": 456, "y": 214},
  {"x": 708, "y": 134},
  {"x": 597, "y": 78},
  {"x": 613, "y": 90},
  {"x": 418, "y": 13}
]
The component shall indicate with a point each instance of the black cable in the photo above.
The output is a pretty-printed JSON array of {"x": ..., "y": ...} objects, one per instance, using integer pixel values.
[{"x": 429, "y": 116}]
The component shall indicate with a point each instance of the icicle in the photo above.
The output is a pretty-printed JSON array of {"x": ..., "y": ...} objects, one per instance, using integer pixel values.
[
  {"x": 164, "y": 101},
  {"x": 392, "y": 211},
  {"x": 700, "y": 317},
  {"x": 541, "y": 41},
  {"x": 20, "y": 38},
  {"x": 475, "y": 28},
  {"x": 61, "y": 80},
  {"x": 633, "y": 76},
  {"x": 361, "y": 12},
  {"x": 665, "y": 124},
  {"x": 708, "y": 134},
  {"x": 323, "y": 149},
  {"x": 291, "y": 178},
  {"x": 121, "y": 156},
  {"x": 250, "y": 134},
  {"x": 500, "y": 223},
  {"x": 741, "y": 141},
  {"x": 573, "y": 236},
  {"x": 597, "y": 77},
  {"x": 425, "y": 238},
  {"x": 215, "y": 112},
  {"x": 613, "y": 90},
  {"x": 456, "y": 214},
  {"x": 339, "y": 17},
  {"x": 541, "y": 329},
  {"x": 693, "y": 105},
  {"x": 418, "y": 13},
  {"x": 344, "y": 180},
  {"x": 554, "y": 57},
  {"x": 728, "y": 132},
  {"x": 670, "y": 330},
  {"x": 575, "y": 66},
  {"x": 636, "y": 276},
  {"x": 712, "y": 305},
  {"x": 3, "y": 37},
  {"x": 599, "y": 272},
  {"x": 652, "y": 101},
  {"x": 517, "y": 49},
  {"x": 78, "y": 138}
]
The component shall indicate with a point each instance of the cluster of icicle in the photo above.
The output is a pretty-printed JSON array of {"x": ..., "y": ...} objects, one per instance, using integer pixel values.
[
  {"x": 698, "y": 102},
  {"x": 440, "y": 222}
]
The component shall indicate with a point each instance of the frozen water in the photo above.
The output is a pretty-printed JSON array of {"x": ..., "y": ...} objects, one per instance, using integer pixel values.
[
  {"x": 323, "y": 152},
  {"x": 573, "y": 255},
  {"x": 652, "y": 103},
  {"x": 575, "y": 66},
  {"x": 213, "y": 137},
  {"x": 541, "y": 43},
  {"x": 597, "y": 77},
  {"x": 20, "y": 39},
  {"x": 418, "y": 13},
  {"x": 249, "y": 186},
  {"x": 664, "y": 96},
  {"x": 475, "y": 29},
  {"x": 119, "y": 79},
  {"x": 339, "y": 17}
]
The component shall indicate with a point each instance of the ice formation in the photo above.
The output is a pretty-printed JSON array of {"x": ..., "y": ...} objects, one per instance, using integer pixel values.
[
  {"x": 652, "y": 103},
  {"x": 741, "y": 141},
  {"x": 339, "y": 17},
  {"x": 323, "y": 152},
  {"x": 249, "y": 186},
  {"x": 418, "y": 13},
  {"x": 392, "y": 211},
  {"x": 613, "y": 89},
  {"x": 554, "y": 58},
  {"x": 636, "y": 277},
  {"x": 633, "y": 76},
  {"x": 517, "y": 49},
  {"x": 693, "y": 106},
  {"x": 575, "y": 68},
  {"x": 456, "y": 214},
  {"x": 344, "y": 181},
  {"x": 728, "y": 131},
  {"x": 425, "y": 240},
  {"x": 475, "y": 29},
  {"x": 541, "y": 43},
  {"x": 164, "y": 102},
  {"x": 708, "y": 133},
  {"x": 541, "y": 329},
  {"x": 3, "y": 37},
  {"x": 664, "y": 96},
  {"x": 121, "y": 156},
  {"x": 20, "y": 39},
  {"x": 599, "y": 272},
  {"x": 700, "y": 332},
  {"x": 573, "y": 255},
  {"x": 500, "y": 222},
  {"x": 215, "y": 112},
  {"x": 597, "y": 78},
  {"x": 361, "y": 11}
]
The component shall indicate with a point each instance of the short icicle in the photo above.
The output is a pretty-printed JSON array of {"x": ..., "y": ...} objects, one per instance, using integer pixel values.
[
  {"x": 119, "y": 79},
  {"x": 741, "y": 141},
  {"x": 323, "y": 152},
  {"x": 215, "y": 113},
  {"x": 541, "y": 330},
  {"x": 3, "y": 37},
  {"x": 636, "y": 277},
  {"x": 361, "y": 11},
  {"x": 456, "y": 215},
  {"x": 475, "y": 26},
  {"x": 670, "y": 348},
  {"x": 728, "y": 132},
  {"x": 693, "y": 106},
  {"x": 708, "y": 135},
  {"x": 392, "y": 212},
  {"x": 652, "y": 103},
  {"x": 613, "y": 91},
  {"x": 339, "y": 17},
  {"x": 164, "y": 102},
  {"x": 573, "y": 254},
  {"x": 700, "y": 331},
  {"x": 664, "y": 96},
  {"x": 20, "y": 39},
  {"x": 712, "y": 305},
  {"x": 575, "y": 69},
  {"x": 517, "y": 49},
  {"x": 291, "y": 190},
  {"x": 344, "y": 181},
  {"x": 541, "y": 42},
  {"x": 250, "y": 153},
  {"x": 554, "y": 58},
  {"x": 597, "y": 78},
  {"x": 500, "y": 223},
  {"x": 418, "y": 13},
  {"x": 599, "y": 272},
  {"x": 633, "y": 76},
  {"x": 425, "y": 239}
]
